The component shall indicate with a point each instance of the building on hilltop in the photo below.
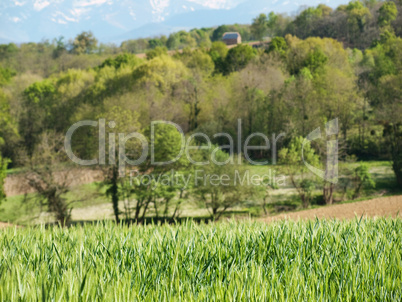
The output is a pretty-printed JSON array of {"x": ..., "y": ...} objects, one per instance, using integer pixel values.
[{"x": 231, "y": 38}]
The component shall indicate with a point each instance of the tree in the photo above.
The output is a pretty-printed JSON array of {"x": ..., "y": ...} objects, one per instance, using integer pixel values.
[
  {"x": 388, "y": 13},
  {"x": 161, "y": 193},
  {"x": 323, "y": 86},
  {"x": 358, "y": 16},
  {"x": 161, "y": 72},
  {"x": 370, "y": 3},
  {"x": 197, "y": 61},
  {"x": 121, "y": 61},
  {"x": 259, "y": 27},
  {"x": 3, "y": 174},
  {"x": 156, "y": 52},
  {"x": 277, "y": 24},
  {"x": 218, "y": 33},
  {"x": 279, "y": 45},
  {"x": 218, "y": 53},
  {"x": 135, "y": 46},
  {"x": 201, "y": 36},
  {"x": 155, "y": 184},
  {"x": 315, "y": 60},
  {"x": 153, "y": 43},
  {"x": 6, "y": 75},
  {"x": 304, "y": 23},
  {"x": 272, "y": 24},
  {"x": 51, "y": 185},
  {"x": 220, "y": 186},
  {"x": 39, "y": 101},
  {"x": 266, "y": 195},
  {"x": 384, "y": 94},
  {"x": 9, "y": 136},
  {"x": 238, "y": 57},
  {"x": 390, "y": 113},
  {"x": 84, "y": 43},
  {"x": 251, "y": 86},
  {"x": 362, "y": 177},
  {"x": 125, "y": 122},
  {"x": 192, "y": 89},
  {"x": 325, "y": 10},
  {"x": 60, "y": 47},
  {"x": 180, "y": 40},
  {"x": 294, "y": 158}
]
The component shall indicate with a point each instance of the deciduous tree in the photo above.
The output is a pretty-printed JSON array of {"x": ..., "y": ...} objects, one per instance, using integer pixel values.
[
  {"x": 85, "y": 42},
  {"x": 294, "y": 158},
  {"x": 259, "y": 27}
]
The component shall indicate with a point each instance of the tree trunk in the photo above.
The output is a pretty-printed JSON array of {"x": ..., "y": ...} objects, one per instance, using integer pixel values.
[
  {"x": 305, "y": 201},
  {"x": 114, "y": 192},
  {"x": 328, "y": 193},
  {"x": 357, "y": 191},
  {"x": 214, "y": 212}
]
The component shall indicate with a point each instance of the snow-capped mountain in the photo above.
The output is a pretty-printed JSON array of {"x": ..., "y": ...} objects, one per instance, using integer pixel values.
[{"x": 116, "y": 20}]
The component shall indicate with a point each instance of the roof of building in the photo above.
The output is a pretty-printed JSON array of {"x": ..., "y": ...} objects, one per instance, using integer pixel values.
[{"x": 231, "y": 35}]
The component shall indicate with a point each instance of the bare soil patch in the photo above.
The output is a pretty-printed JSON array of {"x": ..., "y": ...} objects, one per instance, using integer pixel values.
[
  {"x": 5, "y": 225},
  {"x": 378, "y": 207}
]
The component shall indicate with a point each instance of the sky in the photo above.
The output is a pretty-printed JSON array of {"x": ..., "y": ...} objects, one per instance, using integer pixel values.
[{"x": 110, "y": 20}]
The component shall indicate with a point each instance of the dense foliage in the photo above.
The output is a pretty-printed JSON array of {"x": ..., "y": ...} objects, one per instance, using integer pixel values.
[{"x": 320, "y": 65}]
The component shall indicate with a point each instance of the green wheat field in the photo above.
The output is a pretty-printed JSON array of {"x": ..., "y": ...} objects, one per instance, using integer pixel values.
[{"x": 330, "y": 260}]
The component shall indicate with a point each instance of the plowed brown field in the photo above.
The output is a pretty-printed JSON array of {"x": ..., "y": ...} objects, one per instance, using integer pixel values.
[{"x": 379, "y": 207}]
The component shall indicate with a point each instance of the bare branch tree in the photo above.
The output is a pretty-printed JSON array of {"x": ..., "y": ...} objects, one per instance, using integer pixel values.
[{"x": 50, "y": 184}]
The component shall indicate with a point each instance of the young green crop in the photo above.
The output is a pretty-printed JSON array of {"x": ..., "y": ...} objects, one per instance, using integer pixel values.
[{"x": 357, "y": 260}]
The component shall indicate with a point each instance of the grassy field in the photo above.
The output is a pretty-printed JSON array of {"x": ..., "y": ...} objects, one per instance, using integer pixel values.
[
  {"x": 357, "y": 260},
  {"x": 89, "y": 201},
  {"x": 24, "y": 210}
]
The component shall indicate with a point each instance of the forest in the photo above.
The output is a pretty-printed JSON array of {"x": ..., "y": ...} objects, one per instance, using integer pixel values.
[{"x": 320, "y": 65}]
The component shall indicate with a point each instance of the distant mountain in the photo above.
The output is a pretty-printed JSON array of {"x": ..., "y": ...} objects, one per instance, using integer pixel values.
[{"x": 118, "y": 20}]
